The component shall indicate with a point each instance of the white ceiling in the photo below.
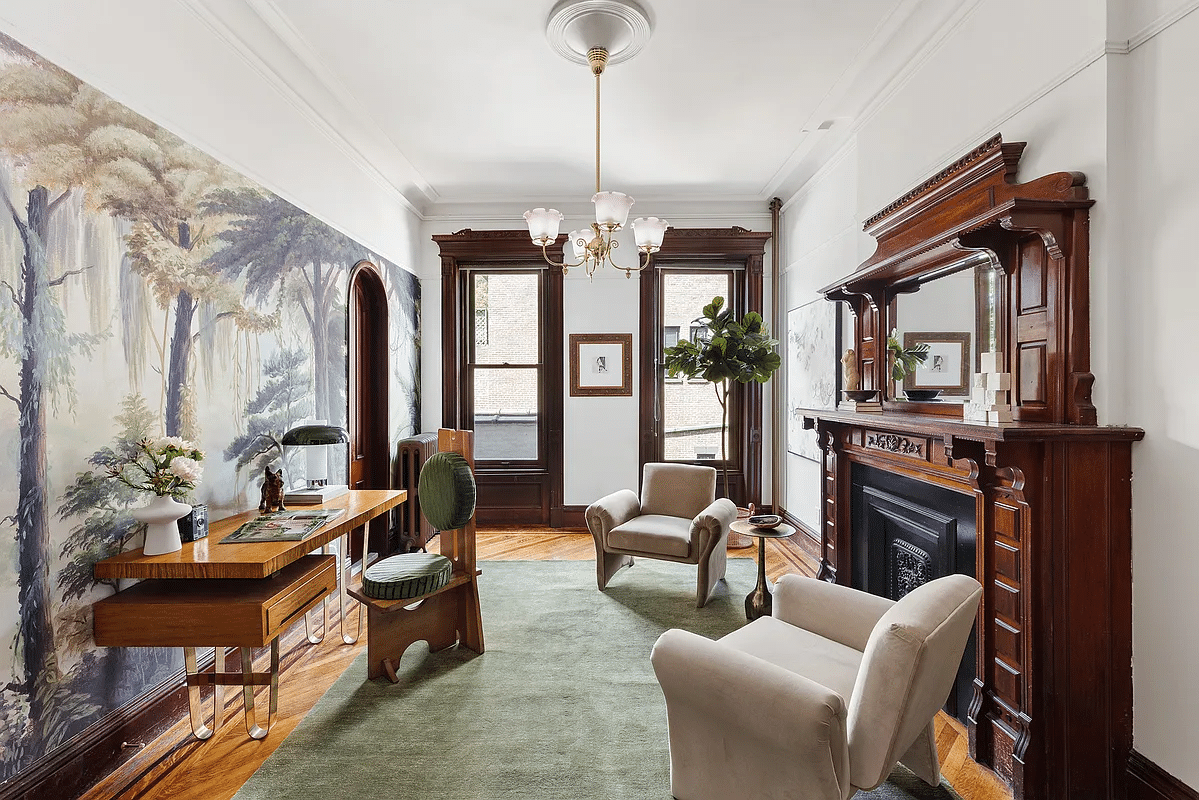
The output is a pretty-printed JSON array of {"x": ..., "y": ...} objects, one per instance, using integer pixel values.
[
  {"x": 452, "y": 105},
  {"x": 464, "y": 101}
]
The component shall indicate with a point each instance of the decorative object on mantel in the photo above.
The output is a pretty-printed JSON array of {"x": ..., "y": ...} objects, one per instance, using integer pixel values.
[
  {"x": 853, "y": 378},
  {"x": 730, "y": 350},
  {"x": 921, "y": 394},
  {"x": 861, "y": 400},
  {"x": 989, "y": 395},
  {"x": 596, "y": 32},
  {"x": 169, "y": 468}
]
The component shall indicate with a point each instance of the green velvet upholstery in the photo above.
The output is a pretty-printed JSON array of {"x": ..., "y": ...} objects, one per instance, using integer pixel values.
[
  {"x": 447, "y": 491},
  {"x": 407, "y": 576}
]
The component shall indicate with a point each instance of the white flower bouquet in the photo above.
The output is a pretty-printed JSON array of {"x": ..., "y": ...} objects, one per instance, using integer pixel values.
[{"x": 166, "y": 466}]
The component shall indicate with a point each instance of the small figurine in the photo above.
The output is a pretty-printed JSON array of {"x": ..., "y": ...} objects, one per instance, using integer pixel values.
[
  {"x": 853, "y": 380},
  {"x": 272, "y": 491}
]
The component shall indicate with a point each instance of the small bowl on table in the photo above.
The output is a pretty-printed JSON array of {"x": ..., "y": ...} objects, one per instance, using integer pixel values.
[
  {"x": 860, "y": 395},
  {"x": 921, "y": 394},
  {"x": 766, "y": 521}
]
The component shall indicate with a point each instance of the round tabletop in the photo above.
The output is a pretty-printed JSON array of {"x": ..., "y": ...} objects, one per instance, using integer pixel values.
[{"x": 781, "y": 531}]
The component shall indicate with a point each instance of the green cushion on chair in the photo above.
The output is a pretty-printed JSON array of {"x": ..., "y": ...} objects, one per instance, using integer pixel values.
[
  {"x": 407, "y": 576},
  {"x": 446, "y": 491}
]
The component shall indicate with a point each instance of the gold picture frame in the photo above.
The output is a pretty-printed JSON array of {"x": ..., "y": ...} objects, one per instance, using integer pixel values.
[{"x": 601, "y": 365}]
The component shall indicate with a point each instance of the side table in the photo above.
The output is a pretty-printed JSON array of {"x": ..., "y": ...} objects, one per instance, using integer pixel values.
[{"x": 758, "y": 603}]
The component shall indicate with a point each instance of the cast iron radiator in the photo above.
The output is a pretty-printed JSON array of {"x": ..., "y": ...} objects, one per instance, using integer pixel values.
[{"x": 413, "y": 529}]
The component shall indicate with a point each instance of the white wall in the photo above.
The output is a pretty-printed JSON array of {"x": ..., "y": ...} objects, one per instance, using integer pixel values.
[
  {"x": 1127, "y": 121},
  {"x": 1160, "y": 324}
]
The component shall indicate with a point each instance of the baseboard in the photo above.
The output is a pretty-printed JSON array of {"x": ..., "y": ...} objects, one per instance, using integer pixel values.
[
  {"x": 77, "y": 764},
  {"x": 1148, "y": 781},
  {"x": 805, "y": 537},
  {"x": 568, "y": 517}
]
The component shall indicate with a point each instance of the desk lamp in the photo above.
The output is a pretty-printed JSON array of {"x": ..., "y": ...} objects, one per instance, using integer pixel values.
[{"x": 315, "y": 437}]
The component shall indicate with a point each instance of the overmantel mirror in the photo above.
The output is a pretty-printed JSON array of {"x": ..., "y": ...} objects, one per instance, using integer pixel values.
[{"x": 971, "y": 262}]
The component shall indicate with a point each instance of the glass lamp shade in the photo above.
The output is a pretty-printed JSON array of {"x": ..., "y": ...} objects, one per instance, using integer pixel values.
[
  {"x": 583, "y": 235},
  {"x": 543, "y": 224},
  {"x": 648, "y": 232},
  {"x": 611, "y": 209}
]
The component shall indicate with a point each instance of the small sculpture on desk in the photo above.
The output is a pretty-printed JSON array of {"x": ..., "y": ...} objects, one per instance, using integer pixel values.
[
  {"x": 853, "y": 379},
  {"x": 272, "y": 491}
]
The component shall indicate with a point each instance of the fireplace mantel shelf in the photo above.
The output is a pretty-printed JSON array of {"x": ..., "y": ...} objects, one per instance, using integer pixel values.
[{"x": 924, "y": 425}]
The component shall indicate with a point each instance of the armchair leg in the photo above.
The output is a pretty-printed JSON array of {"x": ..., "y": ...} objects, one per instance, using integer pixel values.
[
  {"x": 921, "y": 757},
  {"x": 608, "y": 564}
]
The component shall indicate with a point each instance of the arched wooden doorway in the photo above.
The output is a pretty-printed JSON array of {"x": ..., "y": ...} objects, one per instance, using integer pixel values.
[{"x": 368, "y": 413}]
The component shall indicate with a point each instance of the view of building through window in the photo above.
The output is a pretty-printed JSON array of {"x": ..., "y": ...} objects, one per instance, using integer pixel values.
[
  {"x": 691, "y": 410},
  {"x": 505, "y": 364}
]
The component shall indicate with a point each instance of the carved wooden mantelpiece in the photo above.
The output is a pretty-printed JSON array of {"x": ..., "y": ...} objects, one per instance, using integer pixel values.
[{"x": 1052, "y": 706}]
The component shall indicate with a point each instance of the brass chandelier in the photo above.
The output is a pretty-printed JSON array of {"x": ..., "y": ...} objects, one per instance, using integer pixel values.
[{"x": 594, "y": 248}]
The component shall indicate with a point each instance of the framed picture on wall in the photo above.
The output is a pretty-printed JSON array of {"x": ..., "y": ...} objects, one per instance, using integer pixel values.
[
  {"x": 813, "y": 369},
  {"x": 947, "y": 366},
  {"x": 601, "y": 365}
]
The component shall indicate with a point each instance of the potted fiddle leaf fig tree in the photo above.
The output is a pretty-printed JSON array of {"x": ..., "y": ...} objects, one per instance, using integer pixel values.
[{"x": 730, "y": 350}]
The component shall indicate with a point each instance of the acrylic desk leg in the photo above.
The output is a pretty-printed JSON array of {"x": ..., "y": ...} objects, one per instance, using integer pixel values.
[
  {"x": 343, "y": 578},
  {"x": 312, "y": 637},
  {"x": 194, "y": 706},
  {"x": 247, "y": 670}
]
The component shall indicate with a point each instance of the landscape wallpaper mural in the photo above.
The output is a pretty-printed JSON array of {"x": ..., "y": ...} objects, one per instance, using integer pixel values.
[{"x": 146, "y": 291}]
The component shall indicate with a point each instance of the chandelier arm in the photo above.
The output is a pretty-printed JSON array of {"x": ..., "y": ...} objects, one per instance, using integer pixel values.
[
  {"x": 564, "y": 266},
  {"x": 628, "y": 271}
]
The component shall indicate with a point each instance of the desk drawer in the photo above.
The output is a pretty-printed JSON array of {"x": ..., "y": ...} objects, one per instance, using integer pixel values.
[
  {"x": 197, "y": 612},
  {"x": 301, "y": 596}
]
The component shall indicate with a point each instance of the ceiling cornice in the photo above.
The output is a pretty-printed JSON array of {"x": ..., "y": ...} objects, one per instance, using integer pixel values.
[{"x": 358, "y": 141}]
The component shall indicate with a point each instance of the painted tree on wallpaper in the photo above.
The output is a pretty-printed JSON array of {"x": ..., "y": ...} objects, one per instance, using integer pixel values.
[
  {"x": 229, "y": 305},
  {"x": 279, "y": 247},
  {"x": 283, "y": 399},
  {"x": 46, "y": 121}
]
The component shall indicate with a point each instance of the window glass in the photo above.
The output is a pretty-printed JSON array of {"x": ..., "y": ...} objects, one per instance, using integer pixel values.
[
  {"x": 506, "y": 413},
  {"x": 691, "y": 408},
  {"x": 508, "y": 330}
]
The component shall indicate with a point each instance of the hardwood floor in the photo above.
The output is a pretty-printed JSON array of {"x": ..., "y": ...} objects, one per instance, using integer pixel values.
[{"x": 180, "y": 767}]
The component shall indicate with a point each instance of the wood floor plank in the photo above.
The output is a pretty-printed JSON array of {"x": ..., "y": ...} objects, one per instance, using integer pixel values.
[{"x": 180, "y": 767}]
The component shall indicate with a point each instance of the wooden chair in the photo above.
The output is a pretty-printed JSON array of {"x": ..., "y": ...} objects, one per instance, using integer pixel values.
[{"x": 442, "y": 618}]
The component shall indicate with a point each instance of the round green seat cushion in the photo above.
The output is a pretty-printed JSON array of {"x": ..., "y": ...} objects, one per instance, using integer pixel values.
[
  {"x": 406, "y": 576},
  {"x": 446, "y": 491}
]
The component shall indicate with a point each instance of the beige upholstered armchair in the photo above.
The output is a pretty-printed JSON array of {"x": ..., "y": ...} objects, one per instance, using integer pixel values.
[
  {"x": 677, "y": 518},
  {"x": 819, "y": 700}
]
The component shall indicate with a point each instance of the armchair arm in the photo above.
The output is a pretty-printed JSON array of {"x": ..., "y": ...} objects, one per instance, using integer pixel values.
[
  {"x": 610, "y": 511},
  {"x": 710, "y": 528},
  {"x": 734, "y": 718},
  {"x": 835, "y": 612}
]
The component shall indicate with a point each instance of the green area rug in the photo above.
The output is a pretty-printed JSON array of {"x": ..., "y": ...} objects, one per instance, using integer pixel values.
[{"x": 563, "y": 704}]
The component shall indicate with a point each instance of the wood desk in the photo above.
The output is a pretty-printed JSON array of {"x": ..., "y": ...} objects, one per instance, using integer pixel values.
[{"x": 232, "y": 595}]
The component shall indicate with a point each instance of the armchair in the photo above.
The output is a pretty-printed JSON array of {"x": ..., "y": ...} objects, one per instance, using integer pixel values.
[
  {"x": 676, "y": 518},
  {"x": 821, "y": 699}
]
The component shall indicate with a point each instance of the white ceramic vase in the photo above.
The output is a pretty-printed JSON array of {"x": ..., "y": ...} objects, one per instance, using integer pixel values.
[{"x": 162, "y": 527}]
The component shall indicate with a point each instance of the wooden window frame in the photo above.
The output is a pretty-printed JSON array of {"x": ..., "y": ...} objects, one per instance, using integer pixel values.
[
  {"x": 494, "y": 250},
  {"x": 696, "y": 248}
]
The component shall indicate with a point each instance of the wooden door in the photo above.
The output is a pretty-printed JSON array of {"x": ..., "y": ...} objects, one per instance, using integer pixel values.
[{"x": 368, "y": 393}]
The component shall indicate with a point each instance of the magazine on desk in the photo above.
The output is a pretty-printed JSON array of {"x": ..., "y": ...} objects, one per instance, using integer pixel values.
[{"x": 282, "y": 526}]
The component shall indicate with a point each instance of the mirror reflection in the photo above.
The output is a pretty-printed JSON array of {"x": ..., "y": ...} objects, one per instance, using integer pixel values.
[{"x": 944, "y": 319}]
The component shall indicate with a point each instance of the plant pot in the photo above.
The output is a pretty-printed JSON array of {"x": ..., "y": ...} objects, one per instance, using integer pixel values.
[{"x": 162, "y": 529}]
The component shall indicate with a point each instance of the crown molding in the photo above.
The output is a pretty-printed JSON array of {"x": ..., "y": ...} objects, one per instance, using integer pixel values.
[{"x": 318, "y": 118}]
